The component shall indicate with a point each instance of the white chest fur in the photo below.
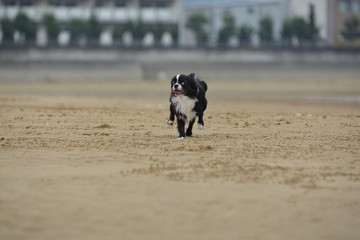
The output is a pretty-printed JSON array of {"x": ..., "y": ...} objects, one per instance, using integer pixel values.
[{"x": 185, "y": 105}]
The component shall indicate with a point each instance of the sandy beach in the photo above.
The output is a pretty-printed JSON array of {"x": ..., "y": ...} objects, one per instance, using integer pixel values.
[{"x": 276, "y": 160}]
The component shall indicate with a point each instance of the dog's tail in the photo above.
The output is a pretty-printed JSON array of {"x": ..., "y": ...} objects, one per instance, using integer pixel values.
[{"x": 204, "y": 85}]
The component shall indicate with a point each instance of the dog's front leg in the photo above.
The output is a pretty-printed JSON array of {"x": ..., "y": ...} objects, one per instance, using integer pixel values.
[
  {"x": 172, "y": 115},
  {"x": 181, "y": 128},
  {"x": 189, "y": 129},
  {"x": 201, "y": 120}
]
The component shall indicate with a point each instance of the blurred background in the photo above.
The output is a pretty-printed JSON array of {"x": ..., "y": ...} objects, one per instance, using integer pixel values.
[
  {"x": 145, "y": 40},
  {"x": 180, "y": 23}
]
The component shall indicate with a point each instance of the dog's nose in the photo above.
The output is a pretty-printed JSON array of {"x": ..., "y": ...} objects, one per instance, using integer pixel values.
[{"x": 176, "y": 86}]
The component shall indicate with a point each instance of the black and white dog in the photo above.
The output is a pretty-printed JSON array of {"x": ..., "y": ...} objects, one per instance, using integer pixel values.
[{"x": 187, "y": 101}]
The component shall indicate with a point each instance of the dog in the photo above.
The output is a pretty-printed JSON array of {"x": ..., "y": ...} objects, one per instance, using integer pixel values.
[{"x": 187, "y": 101}]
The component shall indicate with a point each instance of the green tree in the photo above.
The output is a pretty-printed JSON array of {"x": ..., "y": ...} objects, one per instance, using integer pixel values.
[
  {"x": 304, "y": 30},
  {"x": 173, "y": 30},
  {"x": 196, "y": 23},
  {"x": 138, "y": 31},
  {"x": 26, "y": 27},
  {"x": 228, "y": 28},
  {"x": 118, "y": 33},
  {"x": 266, "y": 27},
  {"x": 7, "y": 27},
  {"x": 94, "y": 29},
  {"x": 351, "y": 28},
  {"x": 128, "y": 26},
  {"x": 158, "y": 30},
  {"x": 295, "y": 28},
  {"x": 52, "y": 27},
  {"x": 298, "y": 28},
  {"x": 312, "y": 29},
  {"x": 244, "y": 34},
  {"x": 78, "y": 30},
  {"x": 287, "y": 31}
]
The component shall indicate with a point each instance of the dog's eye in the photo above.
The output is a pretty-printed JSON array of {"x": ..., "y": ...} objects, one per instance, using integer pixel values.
[{"x": 182, "y": 83}]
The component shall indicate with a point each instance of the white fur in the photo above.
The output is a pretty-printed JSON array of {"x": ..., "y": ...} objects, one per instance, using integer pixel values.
[{"x": 185, "y": 105}]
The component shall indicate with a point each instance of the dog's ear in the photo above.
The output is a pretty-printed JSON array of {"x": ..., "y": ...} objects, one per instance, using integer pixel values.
[
  {"x": 192, "y": 83},
  {"x": 172, "y": 80},
  {"x": 192, "y": 75}
]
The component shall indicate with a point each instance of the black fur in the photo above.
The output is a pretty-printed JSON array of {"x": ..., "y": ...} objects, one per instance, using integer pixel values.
[{"x": 187, "y": 101}]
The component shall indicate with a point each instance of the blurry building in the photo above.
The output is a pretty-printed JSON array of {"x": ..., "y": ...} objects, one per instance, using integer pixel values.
[
  {"x": 301, "y": 8},
  {"x": 330, "y": 17},
  {"x": 338, "y": 12},
  {"x": 246, "y": 12},
  {"x": 108, "y": 12}
]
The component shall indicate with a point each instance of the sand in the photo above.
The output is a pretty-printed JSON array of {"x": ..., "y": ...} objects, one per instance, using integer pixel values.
[{"x": 97, "y": 161}]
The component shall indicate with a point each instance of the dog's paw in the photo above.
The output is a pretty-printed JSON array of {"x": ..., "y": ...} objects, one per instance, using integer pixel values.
[
  {"x": 201, "y": 126},
  {"x": 170, "y": 122},
  {"x": 180, "y": 138}
]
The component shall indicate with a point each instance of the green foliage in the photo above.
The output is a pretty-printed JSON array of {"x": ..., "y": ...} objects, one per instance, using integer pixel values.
[
  {"x": 196, "y": 23},
  {"x": 25, "y": 26},
  {"x": 8, "y": 30},
  {"x": 158, "y": 30},
  {"x": 128, "y": 26},
  {"x": 52, "y": 27},
  {"x": 295, "y": 28},
  {"x": 82, "y": 29},
  {"x": 228, "y": 28},
  {"x": 287, "y": 31},
  {"x": 244, "y": 34},
  {"x": 351, "y": 28},
  {"x": 138, "y": 30},
  {"x": 174, "y": 31},
  {"x": 78, "y": 29},
  {"x": 300, "y": 29},
  {"x": 304, "y": 30},
  {"x": 94, "y": 29},
  {"x": 312, "y": 29},
  {"x": 266, "y": 27},
  {"x": 118, "y": 33},
  {"x": 162, "y": 28}
]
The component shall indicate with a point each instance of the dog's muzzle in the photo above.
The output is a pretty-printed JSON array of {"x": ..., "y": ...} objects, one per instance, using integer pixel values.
[{"x": 177, "y": 89}]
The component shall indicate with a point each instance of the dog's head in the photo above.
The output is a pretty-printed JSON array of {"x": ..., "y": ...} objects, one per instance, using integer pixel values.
[{"x": 182, "y": 84}]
